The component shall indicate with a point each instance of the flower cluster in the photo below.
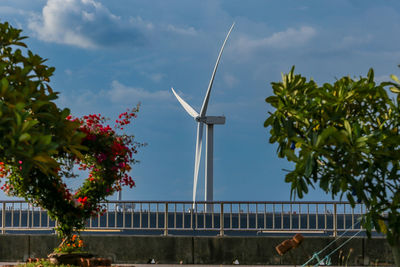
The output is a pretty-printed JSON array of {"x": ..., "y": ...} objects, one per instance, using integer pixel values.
[
  {"x": 109, "y": 160},
  {"x": 3, "y": 170},
  {"x": 7, "y": 188},
  {"x": 74, "y": 244},
  {"x": 6, "y": 171},
  {"x": 111, "y": 156},
  {"x": 125, "y": 118}
]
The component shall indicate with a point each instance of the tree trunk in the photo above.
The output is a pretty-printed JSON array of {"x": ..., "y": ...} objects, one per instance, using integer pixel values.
[
  {"x": 63, "y": 242},
  {"x": 396, "y": 253}
]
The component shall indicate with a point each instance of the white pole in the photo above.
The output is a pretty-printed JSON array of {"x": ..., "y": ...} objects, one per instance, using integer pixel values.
[
  {"x": 209, "y": 168},
  {"x": 119, "y": 196}
]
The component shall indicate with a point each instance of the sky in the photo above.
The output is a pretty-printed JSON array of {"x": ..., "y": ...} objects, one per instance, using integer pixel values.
[{"x": 111, "y": 55}]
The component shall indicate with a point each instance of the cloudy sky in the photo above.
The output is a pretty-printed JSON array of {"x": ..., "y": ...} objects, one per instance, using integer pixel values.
[{"x": 110, "y": 55}]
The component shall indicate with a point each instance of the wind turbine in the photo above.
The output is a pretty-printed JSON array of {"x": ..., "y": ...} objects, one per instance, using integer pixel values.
[{"x": 210, "y": 121}]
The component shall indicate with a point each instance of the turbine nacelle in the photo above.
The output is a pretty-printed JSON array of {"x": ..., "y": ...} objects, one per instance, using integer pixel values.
[{"x": 211, "y": 119}]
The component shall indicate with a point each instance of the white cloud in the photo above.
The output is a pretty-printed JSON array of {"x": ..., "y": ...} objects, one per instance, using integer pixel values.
[
  {"x": 86, "y": 24},
  {"x": 355, "y": 40},
  {"x": 8, "y": 10},
  {"x": 181, "y": 31},
  {"x": 141, "y": 23},
  {"x": 230, "y": 80},
  {"x": 120, "y": 93},
  {"x": 155, "y": 77},
  {"x": 89, "y": 24},
  {"x": 284, "y": 39}
]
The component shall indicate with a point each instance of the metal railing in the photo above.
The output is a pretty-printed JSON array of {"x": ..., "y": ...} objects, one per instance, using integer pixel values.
[{"x": 218, "y": 217}]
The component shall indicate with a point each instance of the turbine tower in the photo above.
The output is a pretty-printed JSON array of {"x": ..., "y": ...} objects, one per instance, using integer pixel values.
[{"x": 210, "y": 121}]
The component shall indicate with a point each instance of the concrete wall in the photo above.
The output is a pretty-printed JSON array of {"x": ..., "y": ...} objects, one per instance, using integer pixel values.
[{"x": 199, "y": 250}]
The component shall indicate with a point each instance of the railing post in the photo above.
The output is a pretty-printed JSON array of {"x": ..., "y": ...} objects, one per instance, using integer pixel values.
[
  {"x": 191, "y": 218},
  {"x": 221, "y": 220},
  {"x": 55, "y": 226},
  {"x": 166, "y": 219},
  {"x": 334, "y": 220},
  {"x": 3, "y": 219}
]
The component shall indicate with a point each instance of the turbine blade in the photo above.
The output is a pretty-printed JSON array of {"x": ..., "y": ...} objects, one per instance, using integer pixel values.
[
  {"x": 185, "y": 105},
  {"x": 197, "y": 159},
  {"x": 207, "y": 97}
]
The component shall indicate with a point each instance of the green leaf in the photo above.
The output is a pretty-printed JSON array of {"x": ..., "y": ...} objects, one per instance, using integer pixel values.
[
  {"x": 350, "y": 199},
  {"x": 272, "y": 100},
  {"x": 277, "y": 127},
  {"x": 24, "y": 137},
  {"x": 370, "y": 75},
  {"x": 65, "y": 112},
  {"x": 45, "y": 139},
  {"x": 76, "y": 152},
  {"x": 20, "y": 106},
  {"x": 269, "y": 121},
  {"x": 290, "y": 155},
  {"x": 361, "y": 141},
  {"x": 46, "y": 116},
  {"x": 288, "y": 125},
  {"x": 324, "y": 183},
  {"x": 299, "y": 189},
  {"x": 394, "y": 78},
  {"x": 4, "y": 85},
  {"x": 304, "y": 186},
  {"x": 28, "y": 124},
  {"x": 347, "y": 127},
  {"x": 324, "y": 135},
  {"x": 45, "y": 159},
  {"x": 382, "y": 227},
  {"x": 309, "y": 165},
  {"x": 18, "y": 119},
  {"x": 395, "y": 90}
]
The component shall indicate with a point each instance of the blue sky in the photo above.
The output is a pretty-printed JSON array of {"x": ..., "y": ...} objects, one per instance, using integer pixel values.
[{"x": 110, "y": 55}]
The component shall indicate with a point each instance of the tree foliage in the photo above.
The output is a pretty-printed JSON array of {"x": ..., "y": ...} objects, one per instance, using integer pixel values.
[
  {"x": 344, "y": 138},
  {"x": 40, "y": 143}
]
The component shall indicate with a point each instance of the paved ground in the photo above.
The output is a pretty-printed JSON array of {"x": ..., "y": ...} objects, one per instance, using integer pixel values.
[
  {"x": 217, "y": 265},
  {"x": 197, "y": 265},
  {"x": 8, "y": 264}
]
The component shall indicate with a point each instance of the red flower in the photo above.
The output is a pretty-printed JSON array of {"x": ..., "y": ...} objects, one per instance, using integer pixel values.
[{"x": 83, "y": 201}]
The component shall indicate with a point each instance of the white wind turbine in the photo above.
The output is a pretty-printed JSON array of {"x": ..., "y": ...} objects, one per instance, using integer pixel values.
[{"x": 202, "y": 119}]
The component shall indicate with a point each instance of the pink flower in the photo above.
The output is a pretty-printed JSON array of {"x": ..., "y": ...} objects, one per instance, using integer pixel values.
[
  {"x": 122, "y": 165},
  {"x": 102, "y": 157}
]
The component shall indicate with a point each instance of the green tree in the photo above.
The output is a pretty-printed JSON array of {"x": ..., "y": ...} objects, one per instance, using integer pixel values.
[
  {"x": 344, "y": 138},
  {"x": 39, "y": 142},
  {"x": 34, "y": 132}
]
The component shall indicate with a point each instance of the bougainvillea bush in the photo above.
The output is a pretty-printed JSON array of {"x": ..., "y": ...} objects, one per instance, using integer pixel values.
[
  {"x": 40, "y": 143},
  {"x": 108, "y": 157}
]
